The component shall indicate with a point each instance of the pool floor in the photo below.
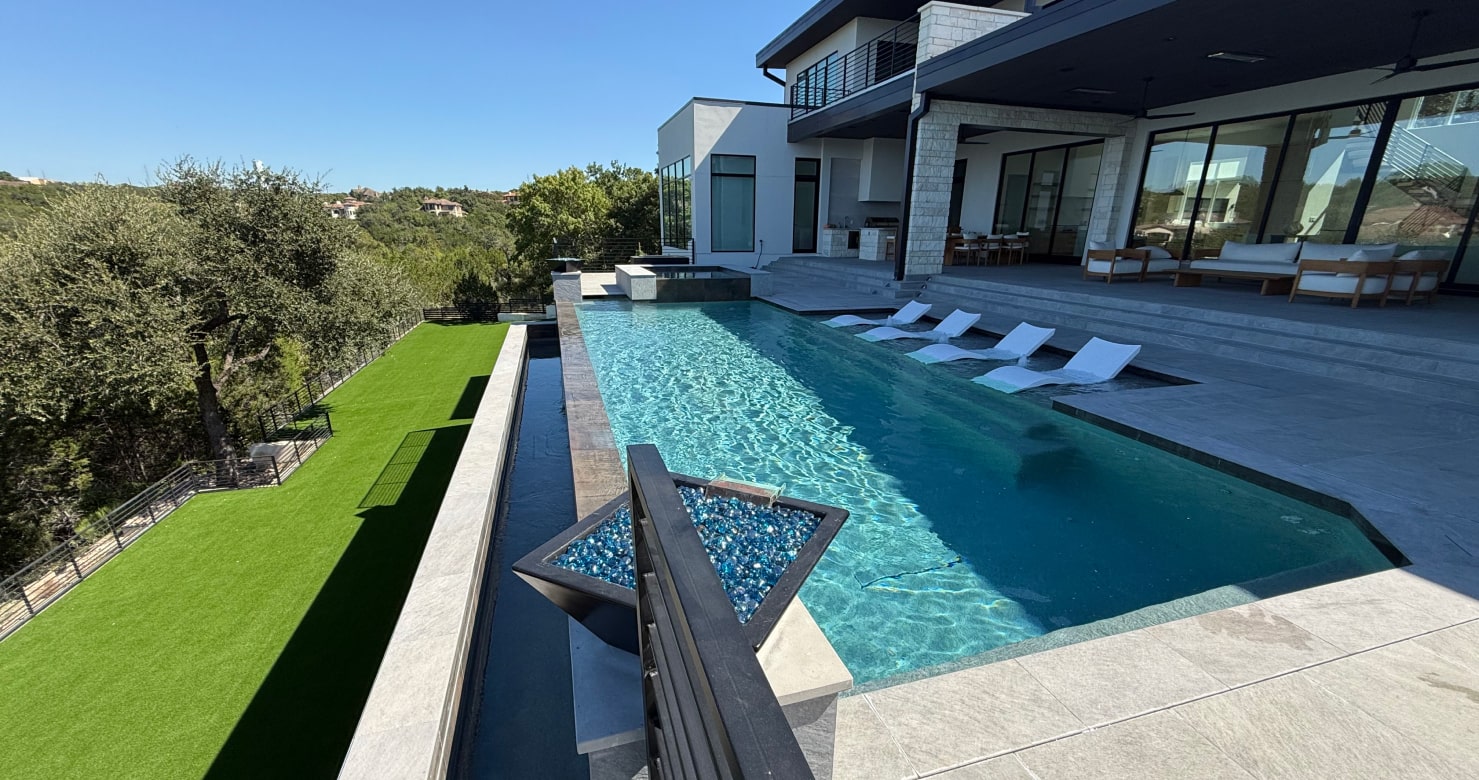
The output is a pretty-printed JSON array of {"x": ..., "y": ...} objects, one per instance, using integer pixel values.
[{"x": 979, "y": 520}]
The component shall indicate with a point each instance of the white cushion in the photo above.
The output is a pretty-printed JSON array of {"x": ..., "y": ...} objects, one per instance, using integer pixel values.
[
  {"x": 1158, "y": 253},
  {"x": 1425, "y": 254},
  {"x": 1125, "y": 266},
  {"x": 1220, "y": 264},
  {"x": 1340, "y": 283},
  {"x": 1368, "y": 256},
  {"x": 1101, "y": 246},
  {"x": 1311, "y": 250},
  {"x": 1264, "y": 253},
  {"x": 1403, "y": 282}
]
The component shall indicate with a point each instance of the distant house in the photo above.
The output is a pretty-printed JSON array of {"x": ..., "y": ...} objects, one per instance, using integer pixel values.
[
  {"x": 344, "y": 209},
  {"x": 364, "y": 194},
  {"x": 442, "y": 207},
  {"x": 511, "y": 198}
]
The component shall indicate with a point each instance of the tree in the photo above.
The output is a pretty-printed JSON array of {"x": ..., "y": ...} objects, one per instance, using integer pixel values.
[
  {"x": 634, "y": 201},
  {"x": 565, "y": 207}
]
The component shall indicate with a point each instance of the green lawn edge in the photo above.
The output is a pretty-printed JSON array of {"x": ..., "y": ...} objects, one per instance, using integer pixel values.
[{"x": 239, "y": 637}]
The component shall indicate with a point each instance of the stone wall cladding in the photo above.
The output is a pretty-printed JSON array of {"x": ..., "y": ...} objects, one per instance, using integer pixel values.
[
  {"x": 944, "y": 26},
  {"x": 934, "y": 167}
]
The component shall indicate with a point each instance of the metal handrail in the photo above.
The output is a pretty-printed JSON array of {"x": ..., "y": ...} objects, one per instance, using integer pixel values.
[
  {"x": 709, "y": 708},
  {"x": 876, "y": 61},
  {"x": 605, "y": 253}
]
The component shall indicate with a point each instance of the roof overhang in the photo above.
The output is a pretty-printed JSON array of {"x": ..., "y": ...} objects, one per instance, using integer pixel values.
[
  {"x": 827, "y": 17},
  {"x": 879, "y": 112},
  {"x": 1110, "y": 46}
]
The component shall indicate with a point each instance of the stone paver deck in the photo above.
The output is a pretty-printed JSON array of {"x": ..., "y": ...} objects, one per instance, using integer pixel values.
[
  {"x": 1372, "y": 677},
  {"x": 600, "y": 285}
]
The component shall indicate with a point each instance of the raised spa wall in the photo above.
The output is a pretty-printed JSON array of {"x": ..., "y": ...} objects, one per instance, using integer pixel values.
[{"x": 644, "y": 283}]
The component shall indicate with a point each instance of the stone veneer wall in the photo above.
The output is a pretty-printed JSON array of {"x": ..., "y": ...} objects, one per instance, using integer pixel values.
[
  {"x": 934, "y": 167},
  {"x": 944, "y": 26}
]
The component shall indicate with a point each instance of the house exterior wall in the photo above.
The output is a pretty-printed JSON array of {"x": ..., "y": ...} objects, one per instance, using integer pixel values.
[{"x": 848, "y": 37}]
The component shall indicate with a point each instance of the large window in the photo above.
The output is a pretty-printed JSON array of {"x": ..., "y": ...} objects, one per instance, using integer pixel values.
[
  {"x": 1050, "y": 194},
  {"x": 1403, "y": 171},
  {"x": 1425, "y": 188},
  {"x": 732, "y": 212},
  {"x": 676, "y": 194},
  {"x": 805, "y": 197}
]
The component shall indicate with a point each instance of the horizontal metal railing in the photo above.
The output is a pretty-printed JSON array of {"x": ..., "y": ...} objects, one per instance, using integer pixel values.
[
  {"x": 482, "y": 311},
  {"x": 603, "y": 254},
  {"x": 838, "y": 77},
  {"x": 709, "y": 708}
]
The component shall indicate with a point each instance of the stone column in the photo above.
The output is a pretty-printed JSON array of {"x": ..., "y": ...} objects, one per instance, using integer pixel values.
[
  {"x": 944, "y": 26},
  {"x": 1115, "y": 185},
  {"x": 929, "y": 200}
]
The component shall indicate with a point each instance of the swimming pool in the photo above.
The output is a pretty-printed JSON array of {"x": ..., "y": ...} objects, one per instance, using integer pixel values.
[{"x": 978, "y": 520}]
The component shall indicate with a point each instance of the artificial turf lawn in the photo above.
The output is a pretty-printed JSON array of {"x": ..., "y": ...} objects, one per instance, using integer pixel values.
[{"x": 239, "y": 638}]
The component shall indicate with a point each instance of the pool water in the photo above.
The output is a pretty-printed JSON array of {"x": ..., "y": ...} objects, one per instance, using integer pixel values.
[{"x": 979, "y": 520}]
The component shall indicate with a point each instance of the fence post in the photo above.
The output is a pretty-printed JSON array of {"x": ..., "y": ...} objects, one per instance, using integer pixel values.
[
  {"x": 329, "y": 422},
  {"x": 73, "y": 559},
  {"x": 114, "y": 528},
  {"x": 26, "y": 600},
  {"x": 277, "y": 475},
  {"x": 297, "y": 456}
]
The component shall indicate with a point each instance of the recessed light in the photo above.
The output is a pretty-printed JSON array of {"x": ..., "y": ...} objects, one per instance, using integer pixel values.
[
  {"x": 1236, "y": 56},
  {"x": 1091, "y": 91}
]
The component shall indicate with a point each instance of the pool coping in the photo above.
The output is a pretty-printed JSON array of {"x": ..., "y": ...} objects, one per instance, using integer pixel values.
[{"x": 409, "y": 720}]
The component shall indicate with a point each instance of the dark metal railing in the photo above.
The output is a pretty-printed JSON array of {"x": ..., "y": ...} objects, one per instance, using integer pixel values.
[
  {"x": 482, "y": 311},
  {"x": 277, "y": 419},
  {"x": 709, "y": 709},
  {"x": 603, "y": 254},
  {"x": 839, "y": 76}
]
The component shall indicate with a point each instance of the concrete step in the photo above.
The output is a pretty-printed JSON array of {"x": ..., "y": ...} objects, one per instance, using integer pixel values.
[
  {"x": 1308, "y": 358},
  {"x": 1264, "y": 332},
  {"x": 835, "y": 275},
  {"x": 1463, "y": 350}
]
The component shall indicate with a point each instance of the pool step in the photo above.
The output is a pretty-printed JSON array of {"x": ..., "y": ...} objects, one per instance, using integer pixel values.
[
  {"x": 1431, "y": 367},
  {"x": 835, "y": 273}
]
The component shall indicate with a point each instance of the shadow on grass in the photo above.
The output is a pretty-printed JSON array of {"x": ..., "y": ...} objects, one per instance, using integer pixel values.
[
  {"x": 301, "y": 720},
  {"x": 472, "y": 394}
]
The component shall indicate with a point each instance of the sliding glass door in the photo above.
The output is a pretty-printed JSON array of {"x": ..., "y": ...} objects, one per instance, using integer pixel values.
[{"x": 1049, "y": 193}]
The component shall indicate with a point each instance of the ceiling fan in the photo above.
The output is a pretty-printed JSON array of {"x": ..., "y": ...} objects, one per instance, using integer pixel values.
[
  {"x": 1144, "y": 112},
  {"x": 1408, "y": 62}
]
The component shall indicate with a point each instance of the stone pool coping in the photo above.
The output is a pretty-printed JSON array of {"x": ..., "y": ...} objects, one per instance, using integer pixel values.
[{"x": 409, "y": 720}]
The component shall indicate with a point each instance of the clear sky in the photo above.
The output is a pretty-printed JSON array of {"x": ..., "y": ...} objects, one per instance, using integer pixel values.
[{"x": 380, "y": 94}]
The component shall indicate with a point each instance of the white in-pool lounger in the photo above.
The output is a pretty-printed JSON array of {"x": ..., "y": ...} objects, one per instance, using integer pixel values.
[
  {"x": 1020, "y": 343},
  {"x": 908, "y": 315},
  {"x": 957, "y": 323},
  {"x": 1098, "y": 361}
]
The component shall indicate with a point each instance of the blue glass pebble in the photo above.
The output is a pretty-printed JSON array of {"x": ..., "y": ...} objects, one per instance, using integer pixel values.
[{"x": 749, "y": 545}]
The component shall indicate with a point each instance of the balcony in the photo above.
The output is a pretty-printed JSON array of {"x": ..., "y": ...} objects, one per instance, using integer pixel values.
[{"x": 840, "y": 76}]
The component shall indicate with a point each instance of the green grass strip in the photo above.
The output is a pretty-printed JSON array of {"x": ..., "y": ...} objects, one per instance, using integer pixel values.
[{"x": 240, "y": 637}]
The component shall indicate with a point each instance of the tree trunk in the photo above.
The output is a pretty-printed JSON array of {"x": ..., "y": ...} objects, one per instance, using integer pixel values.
[{"x": 210, "y": 405}]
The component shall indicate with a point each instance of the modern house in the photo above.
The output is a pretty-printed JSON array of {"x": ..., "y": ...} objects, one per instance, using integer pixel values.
[
  {"x": 442, "y": 207},
  {"x": 1174, "y": 123},
  {"x": 511, "y": 198},
  {"x": 348, "y": 208}
]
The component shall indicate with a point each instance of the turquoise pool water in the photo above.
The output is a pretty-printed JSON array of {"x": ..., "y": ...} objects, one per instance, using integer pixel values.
[{"x": 978, "y": 520}]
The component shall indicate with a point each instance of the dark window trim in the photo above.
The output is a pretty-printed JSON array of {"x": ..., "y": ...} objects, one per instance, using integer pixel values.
[
  {"x": 815, "y": 178},
  {"x": 754, "y": 193},
  {"x": 1196, "y": 203},
  {"x": 1268, "y": 198},
  {"x": 1393, "y": 104},
  {"x": 1067, "y": 149},
  {"x": 1373, "y": 169}
]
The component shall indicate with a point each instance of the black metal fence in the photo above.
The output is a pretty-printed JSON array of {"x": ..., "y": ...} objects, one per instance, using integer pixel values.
[
  {"x": 49, "y": 577},
  {"x": 277, "y": 419},
  {"x": 292, "y": 428},
  {"x": 837, "y": 77},
  {"x": 482, "y": 311},
  {"x": 709, "y": 709},
  {"x": 602, "y": 254}
]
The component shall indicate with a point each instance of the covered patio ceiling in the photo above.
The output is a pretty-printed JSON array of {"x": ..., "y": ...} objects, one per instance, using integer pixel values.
[{"x": 1111, "y": 46}]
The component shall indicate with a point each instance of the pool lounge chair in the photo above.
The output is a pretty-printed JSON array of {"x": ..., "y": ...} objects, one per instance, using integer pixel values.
[
  {"x": 1020, "y": 343},
  {"x": 1098, "y": 361},
  {"x": 908, "y": 315},
  {"x": 957, "y": 323}
]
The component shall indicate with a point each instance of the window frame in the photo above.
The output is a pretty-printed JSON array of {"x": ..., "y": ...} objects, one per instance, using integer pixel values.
[{"x": 714, "y": 173}]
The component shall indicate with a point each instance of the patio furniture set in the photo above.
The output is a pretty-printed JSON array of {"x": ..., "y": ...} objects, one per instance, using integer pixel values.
[
  {"x": 968, "y": 248},
  {"x": 1354, "y": 272}
]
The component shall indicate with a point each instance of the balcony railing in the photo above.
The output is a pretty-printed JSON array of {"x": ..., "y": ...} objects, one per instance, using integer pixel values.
[{"x": 840, "y": 76}]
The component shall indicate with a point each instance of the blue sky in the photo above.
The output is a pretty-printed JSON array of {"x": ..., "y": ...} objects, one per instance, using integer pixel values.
[{"x": 381, "y": 94}]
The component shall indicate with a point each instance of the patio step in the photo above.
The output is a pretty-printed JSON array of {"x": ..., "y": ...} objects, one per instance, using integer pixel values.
[
  {"x": 1432, "y": 367},
  {"x": 857, "y": 275}
]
